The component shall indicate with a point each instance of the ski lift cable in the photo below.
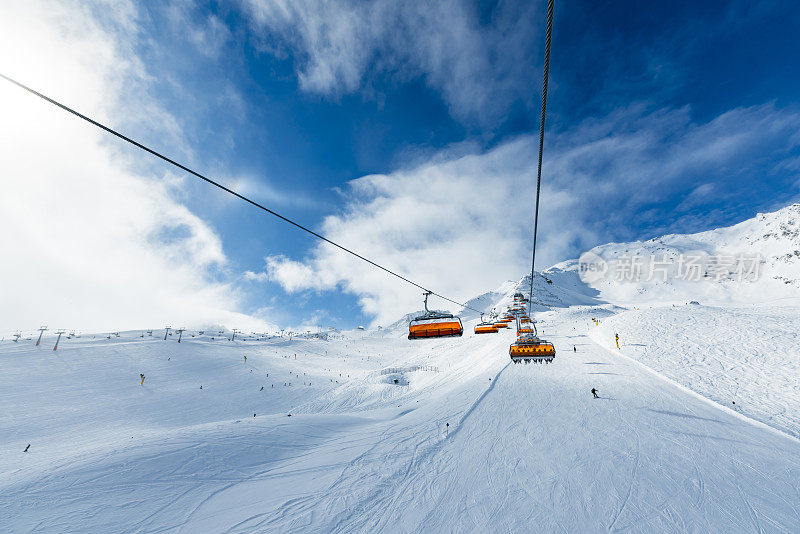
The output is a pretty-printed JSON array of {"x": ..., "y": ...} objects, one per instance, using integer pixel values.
[
  {"x": 545, "y": 76},
  {"x": 227, "y": 190}
]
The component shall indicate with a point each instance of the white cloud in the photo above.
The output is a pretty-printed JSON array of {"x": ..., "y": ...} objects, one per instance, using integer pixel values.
[
  {"x": 702, "y": 194},
  {"x": 255, "y": 277},
  {"x": 88, "y": 239},
  {"x": 292, "y": 275},
  {"x": 263, "y": 191},
  {"x": 461, "y": 224},
  {"x": 209, "y": 37},
  {"x": 475, "y": 64}
]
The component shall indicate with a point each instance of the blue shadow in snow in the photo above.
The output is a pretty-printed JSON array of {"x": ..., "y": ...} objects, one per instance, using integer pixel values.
[{"x": 687, "y": 415}]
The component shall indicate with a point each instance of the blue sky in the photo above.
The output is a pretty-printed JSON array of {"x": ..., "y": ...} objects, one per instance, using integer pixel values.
[{"x": 662, "y": 117}]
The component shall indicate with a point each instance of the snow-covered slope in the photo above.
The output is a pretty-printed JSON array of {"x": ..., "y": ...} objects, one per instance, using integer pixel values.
[
  {"x": 462, "y": 442},
  {"x": 366, "y": 431},
  {"x": 743, "y": 358},
  {"x": 552, "y": 289},
  {"x": 757, "y": 260}
]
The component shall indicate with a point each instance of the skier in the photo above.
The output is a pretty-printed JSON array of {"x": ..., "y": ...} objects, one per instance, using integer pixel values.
[
  {"x": 616, "y": 338},
  {"x": 574, "y": 348},
  {"x": 594, "y": 392},
  {"x": 142, "y": 377}
]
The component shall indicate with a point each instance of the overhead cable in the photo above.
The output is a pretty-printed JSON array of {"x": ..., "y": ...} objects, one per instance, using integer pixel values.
[
  {"x": 545, "y": 76},
  {"x": 228, "y": 190}
]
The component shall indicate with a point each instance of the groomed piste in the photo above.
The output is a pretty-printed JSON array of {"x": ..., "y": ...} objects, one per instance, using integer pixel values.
[{"x": 387, "y": 434}]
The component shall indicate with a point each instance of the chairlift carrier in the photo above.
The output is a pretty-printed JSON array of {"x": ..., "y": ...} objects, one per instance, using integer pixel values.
[
  {"x": 434, "y": 324},
  {"x": 485, "y": 327},
  {"x": 529, "y": 348}
]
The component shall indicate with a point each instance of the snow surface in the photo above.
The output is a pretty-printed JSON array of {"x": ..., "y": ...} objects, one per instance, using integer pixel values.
[
  {"x": 773, "y": 237},
  {"x": 366, "y": 431},
  {"x": 528, "y": 449},
  {"x": 745, "y": 358}
]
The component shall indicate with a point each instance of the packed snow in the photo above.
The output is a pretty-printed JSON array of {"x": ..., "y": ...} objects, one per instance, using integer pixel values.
[
  {"x": 745, "y": 358},
  {"x": 755, "y": 261},
  {"x": 366, "y": 431}
]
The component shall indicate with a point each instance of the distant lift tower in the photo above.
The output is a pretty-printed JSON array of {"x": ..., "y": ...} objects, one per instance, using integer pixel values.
[
  {"x": 58, "y": 339},
  {"x": 42, "y": 330},
  {"x": 166, "y": 332},
  {"x": 180, "y": 332}
]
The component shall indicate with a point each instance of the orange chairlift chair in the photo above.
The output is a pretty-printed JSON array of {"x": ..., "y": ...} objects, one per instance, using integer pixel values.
[
  {"x": 434, "y": 324},
  {"x": 485, "y": 327},
  {"x": 529, "y": 348}
]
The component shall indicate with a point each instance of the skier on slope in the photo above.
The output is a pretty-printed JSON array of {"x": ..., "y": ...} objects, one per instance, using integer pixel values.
[{"x": 594, "y": 392}]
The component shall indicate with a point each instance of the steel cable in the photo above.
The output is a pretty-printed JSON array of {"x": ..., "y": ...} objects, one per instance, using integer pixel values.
[
  {"x": 545, "y": 76},
  {"x": 227, "y": 190}
]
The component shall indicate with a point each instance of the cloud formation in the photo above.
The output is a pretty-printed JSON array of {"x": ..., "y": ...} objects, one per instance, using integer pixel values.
[
  {"x": 472, "y": 58},
  {"x": 461, "y": 223},
  {"x": 91, "y": 238}
]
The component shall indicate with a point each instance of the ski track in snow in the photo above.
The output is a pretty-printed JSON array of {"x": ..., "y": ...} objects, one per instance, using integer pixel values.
[
  {"x": 746, "y": 355},
  {"x": 529, "y": 450}
]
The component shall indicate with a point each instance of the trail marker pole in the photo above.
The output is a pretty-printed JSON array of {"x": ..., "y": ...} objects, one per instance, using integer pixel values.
[
  {"x": 42, "y": 330},
  {"x": 58, "y": 339}
]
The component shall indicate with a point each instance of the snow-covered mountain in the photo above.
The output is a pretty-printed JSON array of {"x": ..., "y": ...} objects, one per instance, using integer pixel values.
[{"x": 757, "y": 260}]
